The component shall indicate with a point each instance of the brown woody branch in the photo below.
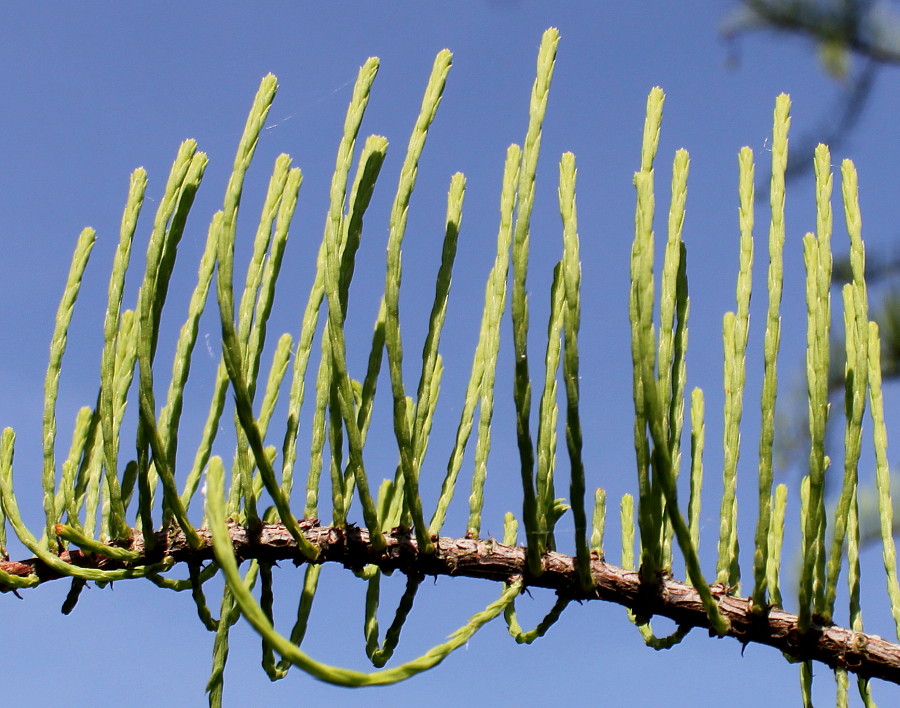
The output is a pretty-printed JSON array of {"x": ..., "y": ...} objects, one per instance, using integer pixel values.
[{"x": 867, "y": 655}]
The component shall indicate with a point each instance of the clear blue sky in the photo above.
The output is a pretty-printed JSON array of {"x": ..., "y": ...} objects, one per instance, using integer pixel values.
[{"x": 91, "y": 92}]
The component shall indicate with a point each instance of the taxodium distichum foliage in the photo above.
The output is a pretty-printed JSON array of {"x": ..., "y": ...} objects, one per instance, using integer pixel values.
[{"x": 109, "y": 518}]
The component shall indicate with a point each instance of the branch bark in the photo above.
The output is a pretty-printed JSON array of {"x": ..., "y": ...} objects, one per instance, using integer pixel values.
[{"x": 866, "y": 655}]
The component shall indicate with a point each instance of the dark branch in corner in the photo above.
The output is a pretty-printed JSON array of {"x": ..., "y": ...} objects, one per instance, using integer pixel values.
[
  {"x": 848, "y": 24},
  {"x": 866, "y": 655}
]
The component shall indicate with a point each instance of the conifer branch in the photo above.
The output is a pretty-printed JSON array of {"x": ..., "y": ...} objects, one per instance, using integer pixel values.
[{"x": 867, "y": 655}]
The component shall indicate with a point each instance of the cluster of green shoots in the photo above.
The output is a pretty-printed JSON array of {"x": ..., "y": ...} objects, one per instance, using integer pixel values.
[{"x": 94, "y": 502}]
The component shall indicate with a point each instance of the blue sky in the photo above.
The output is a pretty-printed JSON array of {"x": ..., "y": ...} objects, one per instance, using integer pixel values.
[{"x": 90, "y": 94}]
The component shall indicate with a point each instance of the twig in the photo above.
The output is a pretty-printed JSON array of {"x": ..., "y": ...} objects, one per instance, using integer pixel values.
[{"x": 866, "y": 655}]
